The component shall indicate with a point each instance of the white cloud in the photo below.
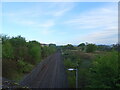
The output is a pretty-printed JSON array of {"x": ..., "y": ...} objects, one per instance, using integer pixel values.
[
  {"x": 61, "y": 12},
  {"x": 105, "y": 36},
  {"x": 43, "y": 12},
  {"x": 46, "y": 31},
  {"x": 100, "y": 25},
  {"x": 47, "y": 24},
  {"x": 59, "y": 9},
  {"x": 102, "y": 17}
]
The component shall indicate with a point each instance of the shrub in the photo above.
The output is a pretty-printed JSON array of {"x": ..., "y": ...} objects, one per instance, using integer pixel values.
[
  {"x": 7, "y": 50},
  {"x": 104, "y": 72},
  {"x": 91, "y": 48},
  {"x": 34, "y": 52}
]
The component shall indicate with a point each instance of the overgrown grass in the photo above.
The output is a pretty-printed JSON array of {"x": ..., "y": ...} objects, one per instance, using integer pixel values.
[
  {"x": 72, "y": 59},
  {"x": 86, "y": 78}
]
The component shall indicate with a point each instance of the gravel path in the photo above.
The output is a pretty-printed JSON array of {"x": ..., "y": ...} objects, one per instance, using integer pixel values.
[{"x": 50, "y": 73}]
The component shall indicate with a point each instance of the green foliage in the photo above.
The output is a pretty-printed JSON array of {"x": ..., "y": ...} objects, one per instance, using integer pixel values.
[
  {"x": 82, "y": 46},
  {"x": 19, "y": 56},
  {"x": 4, "y": 38},
  {"x": 103, "y": 48},
  {"x": 71, "y": 79},
  {"x": 52, "y": 48},
  {"x": 34, "y": 51},
  {"x": 18, "y": 41},
  {"x": 91, "y": 48},
  {"x": 45, "y": 51},
  {"x": 10, "y": 70},
  {"x": 116, "y": 47},
  {"x": 7, "y": 50},
  {"x": 96, "y": 70},
  {"x": 24, "y": 66},
  {"x": 19, "y": 47},
  {"x": 68, "y": 47},
  {"x": 104, "y": 71},
  {"x": 71, "y": 60},
  {"x": 48, "y": 50},
  {"x": 53, "y": 45}
]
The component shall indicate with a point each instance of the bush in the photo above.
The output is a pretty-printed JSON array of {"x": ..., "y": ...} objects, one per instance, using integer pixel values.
[
  {"x": 91, "y": 48},
  {"x": 48, "y": 50},
  {"x": 9, "y": 69},
  {"x": 34, "y": 52},
  {"x": 82, "y": 46},
  {"x": 24, "y": 66},
  {"x": 7, "y": 50},
  {"x": 104, "y": 72}
]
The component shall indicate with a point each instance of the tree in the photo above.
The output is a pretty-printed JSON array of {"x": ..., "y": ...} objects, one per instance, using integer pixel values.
[
  {"x": 116, "y": 47},
  {"x": 4, "y": 38},
  {"x": 104, "y": 71},
  {"x": 69, "y": 46},
  {"x": 19, "y": 47},
  {"x": 7, "y": 50},
  {"x": 52, "y": 48},
  {"x": 48, "y": 50},
  {"x": 103, "y": 48},
  {"x": 34, "y": 48},
  {"x": 91, "y": 48},
  {"x": 82, "y": 46}
]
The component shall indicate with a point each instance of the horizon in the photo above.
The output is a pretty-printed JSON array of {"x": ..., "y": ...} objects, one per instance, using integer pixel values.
[
  {"x": 55, "y": 43},
  {"x": 62, "y": 23}
]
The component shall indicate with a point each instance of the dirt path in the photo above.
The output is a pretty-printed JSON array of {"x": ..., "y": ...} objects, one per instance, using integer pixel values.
[{"x": 50, "y": 73}]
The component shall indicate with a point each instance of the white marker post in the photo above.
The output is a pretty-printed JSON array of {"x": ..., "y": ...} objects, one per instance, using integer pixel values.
[{"x": 71, "y": 69}]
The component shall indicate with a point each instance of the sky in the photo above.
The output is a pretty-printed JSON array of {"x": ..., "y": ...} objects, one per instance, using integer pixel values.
[{"x": 62, "y": 22}]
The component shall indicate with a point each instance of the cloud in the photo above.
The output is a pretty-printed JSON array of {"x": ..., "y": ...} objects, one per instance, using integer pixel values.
[
  {"x": 41, "y": 16},
  {"x": 47, "y": 24},
  {"x": 59, "y": 9},
  {"x": 99, "y": 25},
  {"x": 61, "y": 12},
  {"x": 96, "y": 18},
  {"x": 105, "y": 36},
  {"x": 47, "y": 11},
  {"x": 46, "y": 31}
]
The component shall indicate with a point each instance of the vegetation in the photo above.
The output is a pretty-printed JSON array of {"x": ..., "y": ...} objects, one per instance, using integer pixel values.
[
  {"x": 68, "y": 47},
  {"x": 19, "y": 56},
  {"x": 82, "y": 46},
  {"x": 98, "y": 66},
  {"x": 104, "y": 71},
  {"x": 91, "y": 48}
]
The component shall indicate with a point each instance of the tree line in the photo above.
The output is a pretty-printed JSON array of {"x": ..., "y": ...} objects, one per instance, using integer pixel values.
[
  {"x": 90, "y": 47},
  {"x": 19, "y": 56}
]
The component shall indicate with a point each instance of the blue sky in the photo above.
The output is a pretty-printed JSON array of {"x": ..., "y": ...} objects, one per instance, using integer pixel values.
[{"x": 62, "y": 23}]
